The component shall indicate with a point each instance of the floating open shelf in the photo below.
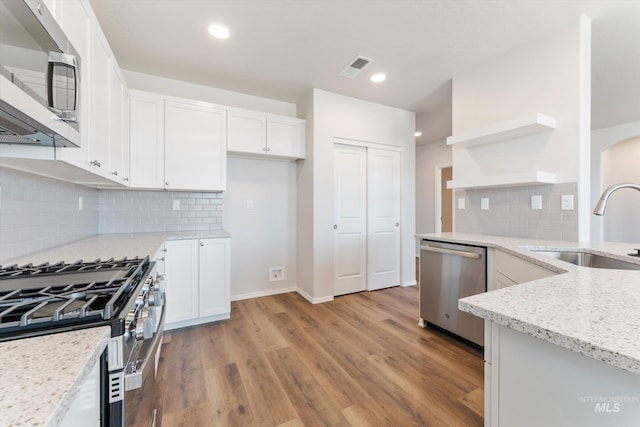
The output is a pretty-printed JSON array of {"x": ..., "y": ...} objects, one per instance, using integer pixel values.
[
  {"x": 525, "y": 178},
  {"x": 511, "y": 129}
]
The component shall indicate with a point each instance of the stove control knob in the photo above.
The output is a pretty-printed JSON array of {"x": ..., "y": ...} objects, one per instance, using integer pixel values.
[
  {"x": 158, "y": 284},
  {"x": 156, "y": 298},
  {"x": 144, "y": 328},
  {"x": 139, "y": 300}
]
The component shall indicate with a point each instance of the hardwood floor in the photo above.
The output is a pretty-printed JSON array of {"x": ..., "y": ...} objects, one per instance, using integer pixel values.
[{"x": 360, "y": 360}]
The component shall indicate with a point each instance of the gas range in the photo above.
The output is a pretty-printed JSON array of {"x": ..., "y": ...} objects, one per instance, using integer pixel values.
[
  {"x": 125, "y": 294},
  {"x": 47, "y": 298}
]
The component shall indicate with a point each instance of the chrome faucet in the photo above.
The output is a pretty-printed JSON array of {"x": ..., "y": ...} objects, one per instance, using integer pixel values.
[{"x": 602, "y": 203}]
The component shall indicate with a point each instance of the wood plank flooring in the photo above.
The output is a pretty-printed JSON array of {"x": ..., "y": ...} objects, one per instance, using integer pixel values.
[{"x": 360, "y": 360}]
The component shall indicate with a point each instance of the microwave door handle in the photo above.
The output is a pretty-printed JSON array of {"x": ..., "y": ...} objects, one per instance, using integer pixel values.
[{"x": 58, "y": 58}]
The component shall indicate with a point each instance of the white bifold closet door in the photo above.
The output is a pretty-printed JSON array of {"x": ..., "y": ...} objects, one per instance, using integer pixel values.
[{"x": 367, "y": 218}]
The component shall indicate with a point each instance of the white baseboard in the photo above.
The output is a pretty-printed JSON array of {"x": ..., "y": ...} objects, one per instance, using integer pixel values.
[
  {"x": 194, "y": 322},
  {"x": 263, "y": 293},
  {"x": 313, "y": 300},
  {"x": 410, "y": 283}
]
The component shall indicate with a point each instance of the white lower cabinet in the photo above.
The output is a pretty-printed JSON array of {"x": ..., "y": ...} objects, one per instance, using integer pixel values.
[
  {"x": 197, "y": 281},
  {"x": 531, "y": 382},
  {"x": 511, "y": 270},
  {"x": 85, "y": 408}
]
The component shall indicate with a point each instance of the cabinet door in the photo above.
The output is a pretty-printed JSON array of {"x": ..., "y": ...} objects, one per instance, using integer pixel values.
[
  {"x": 116, "y": 124},
  {"x": 519, "y": 270},
  {"x": 285, "y": 136},
  {"x": 247, "y": 132},
  {"x": 181, "y": 280},
  {"x": 146, "y": 141},
  {"x": 215, "y": 283},
  {"x": 100, "y": 92},
  {"x": 195, "y": 147},
  {"x": 85, "y": 407},
  {"x": 76, "y": 23}
]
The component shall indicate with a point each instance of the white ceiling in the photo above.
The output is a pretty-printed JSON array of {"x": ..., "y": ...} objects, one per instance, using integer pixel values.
[{"x": 280, "y": 49}]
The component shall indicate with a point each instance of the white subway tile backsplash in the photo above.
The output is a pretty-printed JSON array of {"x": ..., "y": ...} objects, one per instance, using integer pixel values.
[
  {"x": 123, "y": 211},
  {"x": 511, "y": 214},
  {"x": 38, "y": 213}
]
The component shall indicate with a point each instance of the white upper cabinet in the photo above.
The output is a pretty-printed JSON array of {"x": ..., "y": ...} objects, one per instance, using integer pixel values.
[
  {"x": 99, "y": 116},
  {"x": 177, "y": 144},
  {"x": 247, "y": 132},
  {"x": 118, "y": 127},
  {"x": 195, "y": 147},
  {"x": 146, "y": 140},
  {"x": 261, "y": 134}
]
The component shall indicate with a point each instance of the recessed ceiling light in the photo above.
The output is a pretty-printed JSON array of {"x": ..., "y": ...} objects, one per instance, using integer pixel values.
[
  {"x": 219, "y": 31},
  {"x": 417, "y": 134},
  {"x": 378, "y": 77}
]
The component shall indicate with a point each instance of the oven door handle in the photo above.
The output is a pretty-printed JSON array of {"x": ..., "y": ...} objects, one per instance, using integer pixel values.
[{"x": 136, "y": 370}]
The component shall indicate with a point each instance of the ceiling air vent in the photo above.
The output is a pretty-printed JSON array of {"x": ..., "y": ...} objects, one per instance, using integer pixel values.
[{"x": 355, "y": 67}]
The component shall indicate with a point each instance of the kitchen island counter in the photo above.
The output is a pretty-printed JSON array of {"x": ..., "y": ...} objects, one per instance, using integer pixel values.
[
  {"x": 40, "y": 376},
  {"x": 594, "y": 312}
]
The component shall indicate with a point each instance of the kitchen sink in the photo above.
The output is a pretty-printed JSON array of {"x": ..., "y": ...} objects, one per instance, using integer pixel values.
[{"x": 586, "y": 259}]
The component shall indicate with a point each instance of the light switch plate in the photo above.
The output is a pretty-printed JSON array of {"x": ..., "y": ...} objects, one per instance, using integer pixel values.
[
  {"x": 176, "y": 205},
  {"x": 536, "y": 202},
  {"x": 484, "y": 203},
  {"x": 461, "y": 204},
  {"x": 567, "y": 202}
]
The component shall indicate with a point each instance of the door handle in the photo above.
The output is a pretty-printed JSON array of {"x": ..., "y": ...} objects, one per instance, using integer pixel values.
[{"x": 450, "y": 252}]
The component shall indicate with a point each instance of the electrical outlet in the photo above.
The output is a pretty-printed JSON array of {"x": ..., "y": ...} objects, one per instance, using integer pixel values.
[
  {"x": 484, "y": 203},
  {"x": 249, "y": 204},
  {"x": 536, "y": 202},
  {"x": 461, "y": 204},
  {"x": 79, "y": 203},
  {"x": 276, "y": 274},
  {"x": 567, "y": 202},
  {"x": 176, "y": 205}
]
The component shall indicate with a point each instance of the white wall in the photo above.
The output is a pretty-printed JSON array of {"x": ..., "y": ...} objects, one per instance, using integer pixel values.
[
  {"x": 601, "y": 140},
  {"x": 428, "y": 158},
  {"x": 182, "y": 89},
  {"x": 337, "y": 116},
  {"x": 264, "y": 236},
  {"x": 550, "y": 76}
]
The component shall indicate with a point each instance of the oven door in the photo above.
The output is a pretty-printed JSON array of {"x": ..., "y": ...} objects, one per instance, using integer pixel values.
[{"x": 140, "y": 404}]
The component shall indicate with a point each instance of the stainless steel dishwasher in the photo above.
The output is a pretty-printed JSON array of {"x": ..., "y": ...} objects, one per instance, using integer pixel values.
[{"x": 449, "y": 272}]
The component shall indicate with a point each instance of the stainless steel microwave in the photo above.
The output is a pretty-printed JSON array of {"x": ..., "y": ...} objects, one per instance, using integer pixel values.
[{"x": 39, "y": 77}]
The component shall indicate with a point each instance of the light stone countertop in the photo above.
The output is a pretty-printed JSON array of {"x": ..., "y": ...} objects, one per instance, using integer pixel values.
[
  {"x": 107, "y": 246},
  {"x": 594, "y": 312},
  {"x": 41, "y": 376}
]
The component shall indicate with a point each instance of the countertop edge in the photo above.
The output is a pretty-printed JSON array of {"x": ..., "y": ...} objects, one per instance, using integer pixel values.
[
  {"x": 576, "y": 345},
  {"x": 65, "y": 404}
]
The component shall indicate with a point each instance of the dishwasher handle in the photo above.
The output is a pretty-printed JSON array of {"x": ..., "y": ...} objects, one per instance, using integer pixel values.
[{"x": 464, "y": 254}]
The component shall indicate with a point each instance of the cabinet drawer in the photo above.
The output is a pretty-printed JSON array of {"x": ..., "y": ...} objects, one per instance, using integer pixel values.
[{"x": 517, "y": 269}]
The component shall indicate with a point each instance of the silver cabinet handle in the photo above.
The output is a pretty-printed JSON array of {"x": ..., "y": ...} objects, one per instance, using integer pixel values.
[
  {"x": 115, "y": 173},
  {"x": 335, "y": 226},
  {"x": 166, "y": 183},
  {"x": 125, "y": 179},
  {"x": 450, "y": 252},
  {"x": 95, "y": 163},
  {"x": 397, "y": 224},
  {"x": 264, "y": 149},
  {"x": 268, "y": 149}
]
